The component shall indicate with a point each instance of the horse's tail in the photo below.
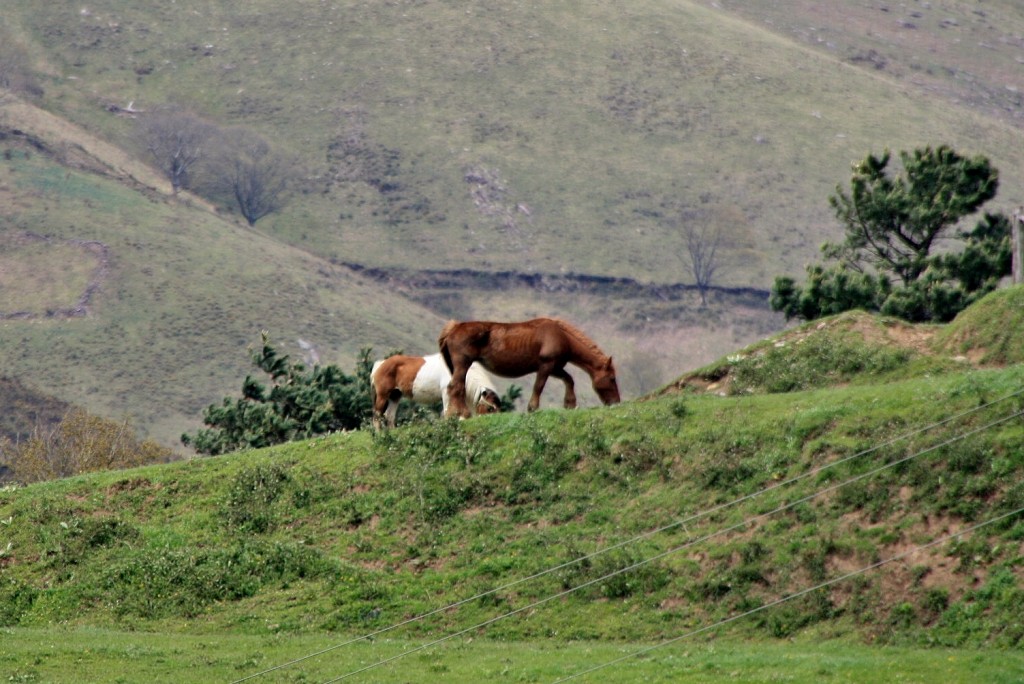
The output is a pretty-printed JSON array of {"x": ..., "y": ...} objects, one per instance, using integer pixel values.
[
  {"x": 373, "y": 376},
  {"x": 442, "y": 343}
]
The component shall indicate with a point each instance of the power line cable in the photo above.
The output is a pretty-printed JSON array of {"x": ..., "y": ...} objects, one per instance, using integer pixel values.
[
  {"x": 794, "y": 595},
  {"x": 675, "y": 549},
  {"x": 637, "y": 538}
]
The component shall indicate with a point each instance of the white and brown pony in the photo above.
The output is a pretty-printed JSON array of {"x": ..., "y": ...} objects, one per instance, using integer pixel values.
[
  {"x": 424, "y": 379},
  {"x": 542, "y": 346}
]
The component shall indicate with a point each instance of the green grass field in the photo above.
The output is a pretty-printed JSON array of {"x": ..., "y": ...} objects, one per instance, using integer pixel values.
[{"x": 73, "y": 656}]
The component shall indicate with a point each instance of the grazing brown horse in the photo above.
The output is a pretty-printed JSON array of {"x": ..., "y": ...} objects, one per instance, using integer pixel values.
[
  {"x": 424, "y": 379},
  {"x": 542, "y": 346}
]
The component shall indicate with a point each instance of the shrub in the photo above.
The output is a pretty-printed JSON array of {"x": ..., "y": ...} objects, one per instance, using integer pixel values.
[
  {"x": 249, "y": 505},
  {"x": 161, "y": 582},
  {"x": 16, "y": 599},
  {"x": 80, "y": 443},
  {"x": 790, "y": 617},
  {"x": 300, "y": 403},
  {"x": 607, "y": 579}
]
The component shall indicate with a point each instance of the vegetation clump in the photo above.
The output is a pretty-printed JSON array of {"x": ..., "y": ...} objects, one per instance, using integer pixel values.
[
  {"x": 893, "y": 225},
  {"x": 300, "y": 403},
  {"x": 79, "y": 443}
]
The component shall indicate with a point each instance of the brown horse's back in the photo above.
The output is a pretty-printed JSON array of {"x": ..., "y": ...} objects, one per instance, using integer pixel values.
[{"x": 511, "y": 350}]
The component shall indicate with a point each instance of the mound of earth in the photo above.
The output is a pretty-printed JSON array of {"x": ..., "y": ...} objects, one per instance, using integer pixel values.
[
  {"x": 988, "y": 332},
  {"x": 985, "y": 334}
]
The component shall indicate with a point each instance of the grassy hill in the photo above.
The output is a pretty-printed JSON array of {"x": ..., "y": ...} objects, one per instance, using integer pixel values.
[
  {"x": 720, "y": 503},
  {"x": 567, "y": 139},
  {"x": 153, "y": 321},
  {"x": 560, "y": 140}
]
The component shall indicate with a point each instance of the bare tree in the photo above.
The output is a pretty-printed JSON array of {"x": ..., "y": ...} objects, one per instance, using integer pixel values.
[
  {"x": 702, "y": 243},
  {"x": 178, "y": 141},
  {"x": 80, "y": 443},
  {"x": 16, "y": 74},
  {"x": 248, "y": 169}
]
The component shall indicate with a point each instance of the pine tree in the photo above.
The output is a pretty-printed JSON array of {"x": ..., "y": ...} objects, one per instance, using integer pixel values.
[{"x": 892, "y": 225}]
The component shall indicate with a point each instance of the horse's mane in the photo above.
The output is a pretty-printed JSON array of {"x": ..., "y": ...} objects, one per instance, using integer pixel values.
[{"x": 580, "y": 337}]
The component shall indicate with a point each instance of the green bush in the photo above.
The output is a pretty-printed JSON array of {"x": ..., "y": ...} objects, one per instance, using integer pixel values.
[
  {"x": 606, "y": 577},
  {"x": 251, "y": 495},
  {"x": 154, "y": 583},
  {"x": 300, "y": 403},
  {"x": 70, "y": 542},
  {"x": 16, "y": 599},
  {"x": 787, "y": 619},
  {"x": 892, "y": 225}
]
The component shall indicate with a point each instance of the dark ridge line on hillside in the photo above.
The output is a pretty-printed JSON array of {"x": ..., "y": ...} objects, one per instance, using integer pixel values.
[{"x": 547, "y": 282}]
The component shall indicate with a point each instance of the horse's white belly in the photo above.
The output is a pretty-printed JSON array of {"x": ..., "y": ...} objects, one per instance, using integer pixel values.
[
  {"x": 426, "y": 392},
  {"x": 431, "y": 381}
]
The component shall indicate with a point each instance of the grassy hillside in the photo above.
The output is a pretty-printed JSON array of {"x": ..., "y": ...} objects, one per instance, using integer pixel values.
[
  {"x": 153, "y": 321},
  {"x": 567, "y": 138},
  {"x": 857, "y": 347},
  {"x": 964, "y": 52},
  {"x": 719, "y": 504},
  {"x": 435, "y": 135}
]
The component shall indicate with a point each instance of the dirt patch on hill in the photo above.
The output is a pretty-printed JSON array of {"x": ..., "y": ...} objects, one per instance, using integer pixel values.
[{"x": 888, "y": 331}]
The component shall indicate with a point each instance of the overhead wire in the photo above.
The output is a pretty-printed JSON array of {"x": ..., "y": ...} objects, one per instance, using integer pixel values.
[
  {"x": 789, "y": 597},
  {"x": 646, "y": 535},
  {"x": 675, "y": 549}
]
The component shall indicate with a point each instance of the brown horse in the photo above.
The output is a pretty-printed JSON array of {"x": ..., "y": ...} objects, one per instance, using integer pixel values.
[
  {"x": 542, "y": 346},
  {"x": 424, "y": 380}
]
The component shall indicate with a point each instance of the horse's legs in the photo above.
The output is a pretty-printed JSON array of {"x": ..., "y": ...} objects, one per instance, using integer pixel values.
[
  {"x": 538, "y": 387},
  {"x": 392, "y": 411},
  {"x": 385, "y": 405},
  {"x": 457, "y": 389},
  {"x": 380, "y": 404},
  {"x": 570, "y": 392}
]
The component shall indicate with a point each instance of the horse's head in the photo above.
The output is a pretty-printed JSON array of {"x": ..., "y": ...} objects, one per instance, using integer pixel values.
[
  {"x": 605, "y": 385},
  {"x": 489, "y": 402}
]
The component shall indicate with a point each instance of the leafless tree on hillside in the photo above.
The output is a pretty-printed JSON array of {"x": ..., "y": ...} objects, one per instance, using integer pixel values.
[
  {"x": 178, "y": 141},
  {"x": 702, "y": 243},
  {"x": 16, "y": 75},
  {"x": 248, "y": 169}
]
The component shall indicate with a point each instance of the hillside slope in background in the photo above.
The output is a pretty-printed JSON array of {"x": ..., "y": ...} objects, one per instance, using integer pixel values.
[
  {"x": 557, "y": 140},
  {"x": 967, "y": 53},
  {"x": 133, "y": 305}
]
